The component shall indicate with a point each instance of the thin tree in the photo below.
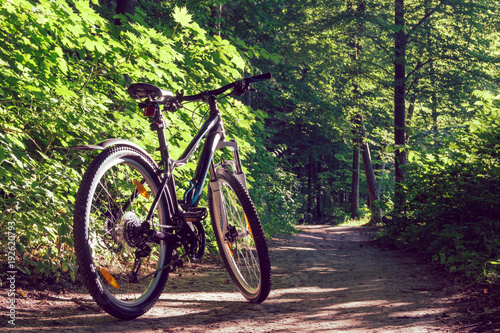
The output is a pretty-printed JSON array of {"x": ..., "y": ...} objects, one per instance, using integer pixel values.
[
  {"x": 125, "y": 7},
  {"x": 400, "y": 44}
]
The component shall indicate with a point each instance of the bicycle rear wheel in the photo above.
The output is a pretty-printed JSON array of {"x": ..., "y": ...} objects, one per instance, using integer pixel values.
[
  {"x": 242, "y": 244},
  {"x": 113, "y": 199}
]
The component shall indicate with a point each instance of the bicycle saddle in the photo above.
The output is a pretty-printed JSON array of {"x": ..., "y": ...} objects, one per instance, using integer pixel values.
[{"x": 146, "y": 90}]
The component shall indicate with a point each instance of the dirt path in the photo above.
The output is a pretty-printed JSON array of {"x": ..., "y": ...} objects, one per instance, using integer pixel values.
[{"x": 325, "y": 279}]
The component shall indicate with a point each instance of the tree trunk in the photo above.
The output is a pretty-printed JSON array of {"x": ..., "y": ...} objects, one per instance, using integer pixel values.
[
  {"x": 309, "y": 187},
  {"x": 125, "y": 7},
  {"x": 430, "y": 43},
  {"x": 399, "y": 104},
  {"x": 318, "y": 191},
  {"x": 356, "y": 130},
  {"x": 434, "y": 99},
  {"x": 373, "y": 190},
  {"x": 216, "y": 15},
  {"x": 355, "y": 170}
]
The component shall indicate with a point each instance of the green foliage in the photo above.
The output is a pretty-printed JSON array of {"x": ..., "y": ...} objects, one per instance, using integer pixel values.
[
  {"x": 454, "y": 190},
  {"x": 274, "y": 192},
  {"x": 63, "y": 74}
]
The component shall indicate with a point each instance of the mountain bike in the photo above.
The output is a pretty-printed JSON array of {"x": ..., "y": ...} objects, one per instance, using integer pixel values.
[{"x": 130, "y": 228}]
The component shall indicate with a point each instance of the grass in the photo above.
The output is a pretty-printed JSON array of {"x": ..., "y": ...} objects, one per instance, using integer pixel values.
[
  {"x": 364, "y": 218},
  {"x": 354, "y": 222}
]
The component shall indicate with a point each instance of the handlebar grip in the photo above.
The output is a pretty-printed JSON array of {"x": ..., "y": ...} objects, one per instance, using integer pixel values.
[{"x": 260, "y": 77}]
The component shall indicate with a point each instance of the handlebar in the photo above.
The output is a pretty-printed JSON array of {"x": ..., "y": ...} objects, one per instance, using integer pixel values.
[
  {"x": 240, "y": 87},
  {"x": 260, "y": 77},
  {"x": 157, "y": 96}
]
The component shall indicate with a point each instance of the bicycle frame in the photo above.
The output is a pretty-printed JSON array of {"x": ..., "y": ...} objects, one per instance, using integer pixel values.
[{"x": 213, "y": 132}]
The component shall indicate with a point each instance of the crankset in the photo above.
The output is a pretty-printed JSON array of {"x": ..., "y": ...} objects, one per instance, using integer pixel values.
[{"x": 193, "y": 234}]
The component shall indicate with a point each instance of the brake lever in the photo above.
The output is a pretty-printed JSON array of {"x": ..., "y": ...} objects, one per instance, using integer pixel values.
[{"x": 241, "y": 87}]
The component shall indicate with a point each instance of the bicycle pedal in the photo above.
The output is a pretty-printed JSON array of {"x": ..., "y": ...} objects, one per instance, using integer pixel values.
[{"x": 195, "y": 214}]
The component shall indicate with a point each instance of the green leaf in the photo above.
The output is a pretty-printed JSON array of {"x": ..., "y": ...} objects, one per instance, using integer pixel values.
[
  {"x": 182, "y": 16},
  {"x": 16, "y": 141}
]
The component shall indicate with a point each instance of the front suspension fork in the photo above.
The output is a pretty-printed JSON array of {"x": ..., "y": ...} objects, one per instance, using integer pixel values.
[{"x": 235, "y": 163}]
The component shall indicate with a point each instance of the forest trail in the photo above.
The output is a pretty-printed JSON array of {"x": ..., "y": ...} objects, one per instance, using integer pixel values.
[{"x": 325, "y": 279}]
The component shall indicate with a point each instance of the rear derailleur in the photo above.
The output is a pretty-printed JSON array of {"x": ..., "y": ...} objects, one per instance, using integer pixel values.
[{"x": 190, "y": 234}]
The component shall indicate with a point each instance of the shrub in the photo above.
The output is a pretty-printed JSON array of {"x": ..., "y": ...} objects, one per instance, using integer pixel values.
[{"x": 453, "y": 185}]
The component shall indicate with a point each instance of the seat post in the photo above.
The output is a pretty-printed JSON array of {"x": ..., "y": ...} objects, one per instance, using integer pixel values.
[{"x": 158, "y": 125}]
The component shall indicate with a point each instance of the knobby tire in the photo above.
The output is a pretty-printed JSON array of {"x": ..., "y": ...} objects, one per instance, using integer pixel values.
[
  {"x": 101, "y": 251},
  {"x": 246, "y": 258}
]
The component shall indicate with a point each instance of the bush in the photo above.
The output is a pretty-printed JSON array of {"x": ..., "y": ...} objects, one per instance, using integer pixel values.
[{"x": 453, "y": 187}]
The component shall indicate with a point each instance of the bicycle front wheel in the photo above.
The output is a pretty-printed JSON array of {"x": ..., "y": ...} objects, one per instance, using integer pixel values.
[
  {"x": 240, "y": 237},
  {"x": 124, "y": 274}
]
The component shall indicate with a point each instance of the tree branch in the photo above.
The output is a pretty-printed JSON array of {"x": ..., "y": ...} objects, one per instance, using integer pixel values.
[{"x": 427, "y": 15}]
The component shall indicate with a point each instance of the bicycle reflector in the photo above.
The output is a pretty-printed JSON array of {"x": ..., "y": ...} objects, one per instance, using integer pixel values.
[
  {"x": 248, "y": 225},
  {"x": 229, "y": 245},
  {"x": 140, "y": 188},
  {"x": 111, "y": 280},
  {"x": 149, "y": 111}
]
